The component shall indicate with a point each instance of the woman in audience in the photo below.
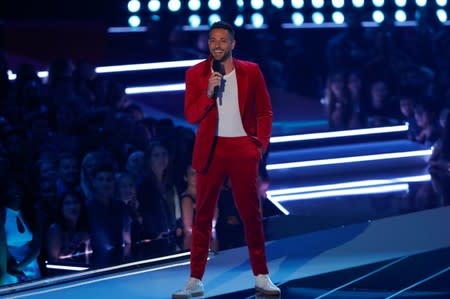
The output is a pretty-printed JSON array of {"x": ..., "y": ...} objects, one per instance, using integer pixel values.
[
  {"x": 188, "y": 206},
  {"x": 428, "y": 131},
  {"x": 69, "y": 234},
  {"x": 338, "y": 101}
]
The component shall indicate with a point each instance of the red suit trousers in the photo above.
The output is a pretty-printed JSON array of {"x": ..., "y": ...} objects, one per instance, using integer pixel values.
[{"x": 236, "y": 158}]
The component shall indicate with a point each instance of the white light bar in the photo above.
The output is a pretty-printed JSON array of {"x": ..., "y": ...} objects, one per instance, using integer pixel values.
[
  {"x": 155, "y": 88},
  {"x": 127, "y": 29},
  {"x": 353, "y": 159},
  {"x": 147, "y": 66},
  {"x": 347, "y": 185},
  {"x": 278, "y": 205},
  {"x": 344, "y": 133},
  {"x": 344, "y": 192},
  {"x": 61, "y": 267}
]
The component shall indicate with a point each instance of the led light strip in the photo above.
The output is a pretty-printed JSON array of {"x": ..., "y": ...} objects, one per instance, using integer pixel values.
[
  {"x": 344, "y": 133},
  {"x": 353, "y": 159},
  {"x": 347, "y": 185},
  {"x": 156, "y": 88},
  {"x": 343, "y": 192}
]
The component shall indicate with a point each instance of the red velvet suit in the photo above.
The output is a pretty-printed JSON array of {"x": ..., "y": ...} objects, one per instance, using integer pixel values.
[{"x": 215, "y": 158}]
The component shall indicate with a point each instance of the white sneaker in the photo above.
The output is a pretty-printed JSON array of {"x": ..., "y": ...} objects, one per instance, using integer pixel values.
[
  {"x": 265, "y": 285},
  {"x": 193, "y": 288}
]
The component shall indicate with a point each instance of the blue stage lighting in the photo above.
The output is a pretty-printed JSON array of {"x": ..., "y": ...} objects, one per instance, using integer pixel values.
[
  {"x": 378, "y": 16},
  {"x": 400, "y": 15},
  {"x": 338, "y": 17},
  {"x": 154, "y": 5},
  {"x": 337, "y": 3},
  {"x": 297, "y": 18},
  {"x": 257, "y": 4},
  {"x": 441, "y": 2},
  {"x": 442, "y": 15},
  {"x": 317, "y": 4},
  {"x": 240, "y": 3},
  {"x": 194, "y": 20},
  {"x": 214, "y": 4},
  {"x": 239, "y": 21},
  {"x": 400, "y": 3},
  {"x": 257, "y": 20},
  {"x": 421, "y": 3},
  {"x": 213, "y": 18},
  {"x": 378, "y": 3},
  {"x": 297, "y": 4},
  {"x": 194, "y": 5},
  {"x": 134, "y": 21},
  {"x": 134, "y": 6},
  {"x": 278, "y": 3},
  {"x": 318, "y": 18},
  {"x": 358, "y": 3},
  {"x": 174, "y": 5}
]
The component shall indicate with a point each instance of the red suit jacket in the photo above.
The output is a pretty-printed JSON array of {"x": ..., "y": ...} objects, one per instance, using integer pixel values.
[{"x": 254, "y": 106}]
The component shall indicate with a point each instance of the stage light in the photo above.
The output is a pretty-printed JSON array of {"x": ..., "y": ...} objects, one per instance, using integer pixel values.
[
  {"x": 239, "y": 21},
  {"x": 441, "y": 2},
  {"x": 297, "y": 4},
  {"x": 378, "y": 3},
  {"x": 400, "y": 15},
  {"x": 156, "y": 88},
  {"x": 257, "y": 4},
  {"x": 278, "y": 3},
  {"x": 195, "y": 21},
  {"x": 134, "y": 6},
  {"x": 154, "y": 5},
  {"x": 240, "y": 3},
  {"x": 134, "y": 21},
  {"x": 337, "y": 3},
  {"x": 400, "y": 3},
  {"x": 213, "y": 18},
  {"x": 442, "y": 15},
  {"x": 317, "y": 18},
  {"x": 194, "y": 5},
  {"x": 421, "y": 3},
  {"x": 338, "y": 17},
  {"x": 297, "y": 18},
  {"x": 257, "y": 19},
  {"x": 214, "y": 4},
  {"x": 378, "y": 16},
  {"x": 174, "y": 5},
  {"x": 317, "y": 3},
  {"x": 358, "y": 3}
]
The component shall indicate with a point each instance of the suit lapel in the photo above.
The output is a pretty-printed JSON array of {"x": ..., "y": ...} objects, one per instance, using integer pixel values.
[{"x": 242, "y": 83}]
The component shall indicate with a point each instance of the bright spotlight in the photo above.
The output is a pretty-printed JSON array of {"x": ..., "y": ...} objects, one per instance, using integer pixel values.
[
  {"x": 318, "y": 18},
  {"x": 278, "y": 3},
  {"x": 338, "y": 17},
  {"x": 358, "y": 3},
  {"x": 194, "y": 5},
  {"x": 297, "y": 4},
  {"x": 134, "y": 21},
  {"x": 240, "y": 3},
  {"x": 213, "y": 18},
  {"x": 378, "y": 16},
  {"x": 421, "y": 3},
  {"x": 154, "y": 5},
  {"x": 134, "y": 6},
  {"x": 257, "y": 19},
  {"x": 239, "y": 21},
  {"x": 337, "y": 3},
  {"x": 214, "y": 4},
  {"x": 195, "y": 20},
  {"x": 317, "y": 4},
  {"x": 174, "y": 5},
  {"x": 378, "y": 3},
  {"x": 400, "y": 15},
  {"x": 441, "y": 2},
  {"x": 257, "y": 4},
  {"x": 297, "y": 18},
  {"x": 400, "y": 3},
  {"x": 442, "y": 15}
]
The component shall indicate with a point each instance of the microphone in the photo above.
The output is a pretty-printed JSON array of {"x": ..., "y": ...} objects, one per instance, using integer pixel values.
[{"x": 217, "y": 67}]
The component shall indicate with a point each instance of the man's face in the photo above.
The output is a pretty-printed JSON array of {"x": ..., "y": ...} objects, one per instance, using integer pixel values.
[{"x": 220, "y": 44}]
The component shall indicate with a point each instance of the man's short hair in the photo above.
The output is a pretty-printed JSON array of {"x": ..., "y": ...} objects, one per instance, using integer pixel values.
[{"x": 223, "y": 25}]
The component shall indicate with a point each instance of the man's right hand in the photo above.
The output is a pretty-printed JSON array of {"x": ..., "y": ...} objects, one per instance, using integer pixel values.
[{"x": 213, "y": 82}]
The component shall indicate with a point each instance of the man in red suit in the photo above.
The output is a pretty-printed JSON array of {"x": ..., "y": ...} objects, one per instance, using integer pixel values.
[{"x": 229, "y": 101}]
